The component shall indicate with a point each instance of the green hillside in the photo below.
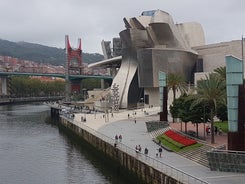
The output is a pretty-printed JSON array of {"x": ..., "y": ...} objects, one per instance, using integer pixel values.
[{"x": 40, "y": 53}]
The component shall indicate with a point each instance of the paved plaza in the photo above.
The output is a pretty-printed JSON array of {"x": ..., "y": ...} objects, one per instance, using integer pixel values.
[{"x": 134, "y": 132}]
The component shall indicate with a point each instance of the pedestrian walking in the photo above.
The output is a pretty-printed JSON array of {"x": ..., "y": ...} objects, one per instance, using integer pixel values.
[
  {"x": 135, "y": 120},
  {"x": 207, "y": 130},
  {"x": 136, "y": 149},
  {"x": 116, "y": 139},
  {"x": 139, "y": 148},
  {"x": 216, "y": 130},
  {"x": 120, "y": 138},
  {"x": 146, "y": 151},
  {"x": 160, "y": 151},
  {"x": 157, "y": 152}
]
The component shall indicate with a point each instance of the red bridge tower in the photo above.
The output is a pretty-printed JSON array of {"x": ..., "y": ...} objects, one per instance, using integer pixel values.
[{"x": 73, "y": 66}]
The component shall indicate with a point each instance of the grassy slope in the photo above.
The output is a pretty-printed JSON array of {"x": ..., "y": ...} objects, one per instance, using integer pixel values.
[{"x": 175, "y": 146}]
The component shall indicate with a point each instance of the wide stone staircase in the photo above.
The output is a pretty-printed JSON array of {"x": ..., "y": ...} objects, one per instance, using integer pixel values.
[{"x": 198, "y": 155}]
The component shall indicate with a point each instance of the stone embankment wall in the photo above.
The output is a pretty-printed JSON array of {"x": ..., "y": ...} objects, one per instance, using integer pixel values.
[
  {"x": 227, "y": 161},
  {"x": 144, "y": 172}
]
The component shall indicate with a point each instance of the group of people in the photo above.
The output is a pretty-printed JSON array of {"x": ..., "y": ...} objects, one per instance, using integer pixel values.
[
  {"x": 83, "y": 119},
  {"x": 138, "y": 149},
  {"x": 158, "y": 151},
  {"x": 118, "y": 138},
  {"x": 216, "y": 130},
  {"x": 134, "y": 116}
]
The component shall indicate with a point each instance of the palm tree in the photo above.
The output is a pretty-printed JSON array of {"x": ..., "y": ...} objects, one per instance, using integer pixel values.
[
  {"x": 176, "y": 82},
  {"x": 222, "y": 108},
  {"x": 221, "y": 71},
  {"x": 211, "y": 91}
]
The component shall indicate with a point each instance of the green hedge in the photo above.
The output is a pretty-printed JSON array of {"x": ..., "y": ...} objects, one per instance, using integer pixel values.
[{"x": 177, "y": 144}]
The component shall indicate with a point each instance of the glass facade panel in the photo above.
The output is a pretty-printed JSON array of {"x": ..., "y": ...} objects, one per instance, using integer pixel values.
[
  {"x": 232, "y": 126},
  {"x": 232, "y": 90},
  {"x": 160, "y": 90},
  {"x": 148, "y": 13},
  {"x": 162, "y": 83},
  {"x": 162, "y": 79},
  {"x": 235, "y": 65},
  {"x": 232, "y": 115},
  {"x": 234, "y": 78},
  {"x": 232, "y": 103}
]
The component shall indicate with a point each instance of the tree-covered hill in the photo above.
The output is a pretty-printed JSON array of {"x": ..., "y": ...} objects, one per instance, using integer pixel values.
[{"x": 40, "y": 53}]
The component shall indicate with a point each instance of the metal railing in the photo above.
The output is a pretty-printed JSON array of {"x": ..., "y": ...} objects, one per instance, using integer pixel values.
[
  {"x": 171, "y": 171},
  {"x": 221, "y": 149}
]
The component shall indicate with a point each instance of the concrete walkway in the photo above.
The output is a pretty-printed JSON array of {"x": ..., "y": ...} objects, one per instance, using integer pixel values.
[{"x": 136, "y": 134}]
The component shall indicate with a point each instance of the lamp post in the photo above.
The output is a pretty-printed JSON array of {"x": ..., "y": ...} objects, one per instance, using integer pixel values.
[
  {"x": 242, "y": 53},
  {"x": 142, "y": 103},
  {"x": 204, "y": 123}
]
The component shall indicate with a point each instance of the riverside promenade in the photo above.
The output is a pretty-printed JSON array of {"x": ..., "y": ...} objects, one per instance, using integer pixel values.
[{"x": 134, "y": 132}]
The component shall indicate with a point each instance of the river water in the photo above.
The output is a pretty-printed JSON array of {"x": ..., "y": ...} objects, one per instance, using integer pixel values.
[{"x": 34, "y": 151}]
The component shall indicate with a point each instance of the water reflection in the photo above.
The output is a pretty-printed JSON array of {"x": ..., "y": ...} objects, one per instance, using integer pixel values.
[{"x": 33, "y": 149}]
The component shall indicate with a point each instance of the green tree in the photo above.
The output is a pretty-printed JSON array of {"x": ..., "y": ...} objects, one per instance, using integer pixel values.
[
  {"x": 25, "y": 86},
  {"x": 176, "y": 106},
  {"x": 180, "y": 109},
  {"x": 90, "y": 84},
  {"x": 199, "y": 114},
  {"x": 184, "y": 111},
  {"x": 59, "y": 87},
  {"x": 221, "y": 71},
  {"x": 210, "y": 91},
  {"x": 176, "y": 82},
  {"x": 19, "y": 85},
  {"x": 222, "y": 113}
]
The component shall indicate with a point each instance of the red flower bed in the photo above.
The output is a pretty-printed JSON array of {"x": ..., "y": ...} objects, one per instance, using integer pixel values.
[{"x": 179, "y": 138}]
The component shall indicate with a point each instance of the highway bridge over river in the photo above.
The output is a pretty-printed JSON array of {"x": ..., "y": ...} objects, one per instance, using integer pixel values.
[{"x": 4, "y": 76}]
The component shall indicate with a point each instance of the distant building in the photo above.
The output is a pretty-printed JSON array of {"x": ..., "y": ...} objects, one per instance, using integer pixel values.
[{"x": 151, "y": 43}]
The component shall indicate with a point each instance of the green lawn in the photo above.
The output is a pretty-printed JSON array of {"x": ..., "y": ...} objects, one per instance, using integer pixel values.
[
  {"x": 175, "y": 146},
  {"x": 223, "y": 125}
]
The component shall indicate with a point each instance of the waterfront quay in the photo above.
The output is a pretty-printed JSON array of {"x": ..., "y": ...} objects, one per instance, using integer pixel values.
[
  {"x": 100, "y": 129},
  {"x": 16, "y": 100}
]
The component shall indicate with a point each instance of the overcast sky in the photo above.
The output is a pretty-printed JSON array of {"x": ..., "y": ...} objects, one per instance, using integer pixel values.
[{"x": 47, "y": 22}]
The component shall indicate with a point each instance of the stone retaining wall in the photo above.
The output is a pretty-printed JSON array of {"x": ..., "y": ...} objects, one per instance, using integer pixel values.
[
  {"x": 226, "y": 161},
  {"x": 144, "y": 172}
]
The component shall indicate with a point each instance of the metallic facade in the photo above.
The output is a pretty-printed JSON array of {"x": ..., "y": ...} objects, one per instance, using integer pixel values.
[{"x": 153, "y": 43}]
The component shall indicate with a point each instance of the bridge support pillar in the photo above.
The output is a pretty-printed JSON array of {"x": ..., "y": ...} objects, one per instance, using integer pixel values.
[
  {"x": 113, "y": 72},
  {"x": 102, "y": 83},
  {"x": 73, "y": 56},
  {"x": 4, "y": 89}
]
